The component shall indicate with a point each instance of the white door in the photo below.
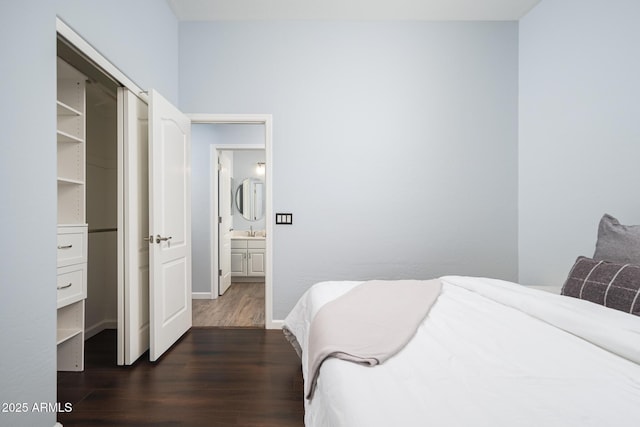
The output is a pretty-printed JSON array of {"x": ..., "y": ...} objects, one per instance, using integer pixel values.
[
  {"x": 169, "y": 224},
  {"x": 225, "y": 163},
  {"x": 133, "y": 225}
]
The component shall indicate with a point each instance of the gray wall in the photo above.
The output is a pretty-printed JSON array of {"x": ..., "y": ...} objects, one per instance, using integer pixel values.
[
  {"x": 138, "y": 36},
  {"x": 28, "y": 214},
  {"x": 579, "y": 139},
  {"x": 28, "y": 168},
  {"x": 395, "y": 144},
  {"x": 203, "y": 137}
]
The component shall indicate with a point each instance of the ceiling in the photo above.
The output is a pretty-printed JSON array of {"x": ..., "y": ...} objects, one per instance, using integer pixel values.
[{"x": 416, "y": 10}]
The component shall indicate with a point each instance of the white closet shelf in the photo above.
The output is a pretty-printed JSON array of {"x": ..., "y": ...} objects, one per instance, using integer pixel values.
[
  {"x": 72, "y": 266},
  {"x": 67, "y": 110},
  {"x": 68, "y": 181},
  {"x": 63, "y": 335},
  {"x": 67, "y": 137}
]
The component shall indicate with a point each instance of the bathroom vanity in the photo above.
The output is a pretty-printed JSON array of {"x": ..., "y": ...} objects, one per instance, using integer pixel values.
[{"x": 247, "y": 256}]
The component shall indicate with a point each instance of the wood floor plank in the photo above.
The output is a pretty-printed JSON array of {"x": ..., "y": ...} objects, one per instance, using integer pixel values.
[
  {"x": 241, "y": 306},
  {"x": 212, "y": 377}
]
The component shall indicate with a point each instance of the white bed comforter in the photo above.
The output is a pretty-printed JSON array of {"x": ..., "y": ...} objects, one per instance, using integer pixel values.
[{"x": 490, "y": 353}]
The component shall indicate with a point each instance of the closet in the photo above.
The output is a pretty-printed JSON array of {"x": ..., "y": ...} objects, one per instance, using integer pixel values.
[
  {"x": 124, "y": 209},
  {"x": 87, "y": 208}
]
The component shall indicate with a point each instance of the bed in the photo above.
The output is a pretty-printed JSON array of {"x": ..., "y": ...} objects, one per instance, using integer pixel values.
[{"x": 488, "y": 353}]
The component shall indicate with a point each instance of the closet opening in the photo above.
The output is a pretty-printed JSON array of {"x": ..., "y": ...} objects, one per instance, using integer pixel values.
[
  {"x": 87, "y": 203},
  {"x": 111, "y": 195}
]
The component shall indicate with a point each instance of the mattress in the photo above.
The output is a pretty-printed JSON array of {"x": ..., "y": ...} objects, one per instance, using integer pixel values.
[{"x": 489, "y": 353}]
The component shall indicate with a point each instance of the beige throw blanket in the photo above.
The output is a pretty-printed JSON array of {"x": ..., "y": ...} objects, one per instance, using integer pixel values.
[{"x": 368, "y": 324}]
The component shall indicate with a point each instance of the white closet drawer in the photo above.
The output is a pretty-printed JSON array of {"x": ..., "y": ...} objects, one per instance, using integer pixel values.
[
  {"x": 72, "y": 245},
  {"x": 71, "y": 284}
]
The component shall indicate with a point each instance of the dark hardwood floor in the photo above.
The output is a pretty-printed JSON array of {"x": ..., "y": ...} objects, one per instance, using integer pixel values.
[{"x": 211, "y": 377}]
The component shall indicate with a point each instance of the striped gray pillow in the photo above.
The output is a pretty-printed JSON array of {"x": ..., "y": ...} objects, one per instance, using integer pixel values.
[{"x": 606, "y": 283}]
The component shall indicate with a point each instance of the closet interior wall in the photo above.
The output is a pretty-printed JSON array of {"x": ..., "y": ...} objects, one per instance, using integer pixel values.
[{"x": 101, "y": 199}]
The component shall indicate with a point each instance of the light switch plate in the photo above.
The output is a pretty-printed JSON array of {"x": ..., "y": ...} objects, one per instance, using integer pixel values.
[{"x": 284, "y": 218}]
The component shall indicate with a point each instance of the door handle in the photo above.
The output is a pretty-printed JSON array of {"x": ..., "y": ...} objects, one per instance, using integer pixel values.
[{"x": 159, "y": 239}]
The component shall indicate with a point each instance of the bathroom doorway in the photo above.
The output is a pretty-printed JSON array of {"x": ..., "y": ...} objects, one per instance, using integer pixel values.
[
  {"x": 241, "y": 244},
  {"x": 239, "y": 292}
]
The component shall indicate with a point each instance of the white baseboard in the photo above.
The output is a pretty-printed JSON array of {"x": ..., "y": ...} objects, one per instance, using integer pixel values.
[
  {"x": 99, "y": 327},
  {"x": 113, "y": 324},
  {"x": 275, "y": 324},
  {"x": 201, "y": 295}
]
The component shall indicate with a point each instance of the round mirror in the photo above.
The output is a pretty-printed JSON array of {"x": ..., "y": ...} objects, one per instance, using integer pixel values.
[{"x": 250, "y": 199}]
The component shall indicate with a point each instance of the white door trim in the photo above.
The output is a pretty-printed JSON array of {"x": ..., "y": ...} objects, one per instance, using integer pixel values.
[
  {"x": 267, "y": 120},
  {"x": 90, "y": 52}
]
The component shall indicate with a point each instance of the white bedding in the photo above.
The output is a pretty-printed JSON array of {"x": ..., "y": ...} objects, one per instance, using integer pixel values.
[{"x": 490, "y": 353}]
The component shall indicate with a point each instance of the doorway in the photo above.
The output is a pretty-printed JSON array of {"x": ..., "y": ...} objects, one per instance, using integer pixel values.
[
  {"x": 87, "y": 178},
  {"x": 241, "y": 248},
  {"x": 209, "y": 287}
]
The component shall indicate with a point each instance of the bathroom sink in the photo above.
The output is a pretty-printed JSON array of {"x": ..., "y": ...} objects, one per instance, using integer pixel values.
[{"x": 245, "y": 234}]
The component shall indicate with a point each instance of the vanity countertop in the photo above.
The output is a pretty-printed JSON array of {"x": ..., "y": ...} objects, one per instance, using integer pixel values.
[
  {"x": 244, "y": 235},
  {"x": 247, "y": 237}
]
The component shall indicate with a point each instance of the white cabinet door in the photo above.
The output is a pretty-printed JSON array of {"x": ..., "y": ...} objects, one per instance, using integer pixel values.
[
  {"x": 256, "y": 262},
  {"x": 169, "y": 223},
  {"x": 238, "y": 262},
  {"x": 133, "y": 264}
]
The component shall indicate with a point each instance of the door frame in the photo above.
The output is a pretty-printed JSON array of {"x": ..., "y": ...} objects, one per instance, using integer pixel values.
[
  {"x": 100, "y": 61},
  {"x": 267, "y": 121}
]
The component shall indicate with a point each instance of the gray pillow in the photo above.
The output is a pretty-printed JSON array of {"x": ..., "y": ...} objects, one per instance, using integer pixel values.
[
  {"x": 617, "y": 242},
  {"x": 610, "y": 284}
]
